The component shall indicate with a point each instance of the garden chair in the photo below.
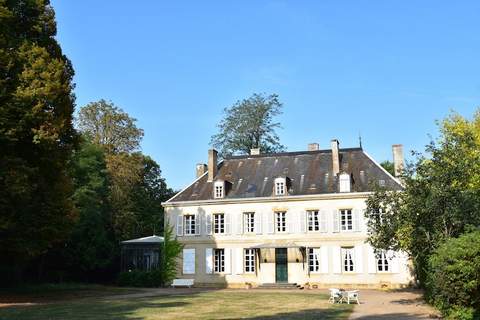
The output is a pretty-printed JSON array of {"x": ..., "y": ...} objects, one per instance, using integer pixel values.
[
  {"x": 353, "y": 295},
  {"x": 335, "y": 295}
]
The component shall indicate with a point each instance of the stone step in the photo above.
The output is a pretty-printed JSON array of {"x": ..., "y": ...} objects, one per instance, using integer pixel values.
[{"x": 279, "y": 286}]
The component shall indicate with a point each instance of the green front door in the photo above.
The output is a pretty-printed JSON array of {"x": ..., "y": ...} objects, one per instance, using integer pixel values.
[{"x": 281, "y": 265}]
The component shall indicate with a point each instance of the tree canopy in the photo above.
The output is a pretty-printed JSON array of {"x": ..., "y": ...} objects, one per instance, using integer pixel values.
[{"x": 249, "y": 124}]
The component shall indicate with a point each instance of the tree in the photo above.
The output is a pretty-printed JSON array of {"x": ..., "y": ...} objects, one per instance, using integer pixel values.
[
  {"x": 389, "y": 166},
  {"x": 249, "y": 124},
  {"x": 441, "y": 198},
  {"x": 109, "y": 126},
  {"x": 36, "y": 134},
  {"x": 170, "y": 251}
]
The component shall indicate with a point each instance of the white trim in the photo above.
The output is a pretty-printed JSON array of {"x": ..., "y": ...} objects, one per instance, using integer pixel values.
[{"x": 384, "y": 170}]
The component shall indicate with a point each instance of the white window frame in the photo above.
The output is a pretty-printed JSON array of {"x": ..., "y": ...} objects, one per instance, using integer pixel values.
[
  {"x": 348, "y": 259},
  {"x": 280, "y": 221},
  {"x": 313, "y": 221},
  {"x": 219, "y": 189},
  {"x": 381, "y": 262},
  {"x": 313, "y": 260},
  {"x": 190, "y": 225},
  {"x": 345, "y": 185},
  {"x": 249, "y": 222},
  {"x": 280, "y": 186},
  {"x": 218, "y": 223},
  {"x": 219, "y": 260},
  {"x": 249, "y": 260},
  {"x": 346, "y": 216}
]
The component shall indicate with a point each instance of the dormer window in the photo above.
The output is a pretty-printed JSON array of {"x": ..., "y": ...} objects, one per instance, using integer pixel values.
[
  {"x": 280, "y": 186},
  {"x": 219, "y": 189},
  {"x": 344, "y": 182}
]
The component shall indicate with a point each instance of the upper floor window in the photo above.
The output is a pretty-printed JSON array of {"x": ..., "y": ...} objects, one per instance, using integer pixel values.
[
  {"x": 314, "y": 259},
  {"x": 219, "y": 223},
  {"x": 219, "y": 260},
  {"x": 344, "y": 182},
  {"x": 280, "y": 186},
  {"x": 348, "y": 260},
  {"x": 382, "y": 261},
  {"x": 190, "y": 224},
  {"x": 346, "y": 220},
  {"x": 280, "y": 221},
  {"x": 219, "y": 189},
  {"x": 313, "y": 219},
  {"x": 249, "y": 222}
]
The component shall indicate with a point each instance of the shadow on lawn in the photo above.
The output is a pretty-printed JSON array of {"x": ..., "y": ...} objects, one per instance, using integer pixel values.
[
  {"x": 396, "y": 316},
  {"x": 303, "y": 315}
]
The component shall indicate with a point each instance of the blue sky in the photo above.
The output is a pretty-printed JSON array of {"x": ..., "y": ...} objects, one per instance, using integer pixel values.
[{"x": 382, "y": 68}]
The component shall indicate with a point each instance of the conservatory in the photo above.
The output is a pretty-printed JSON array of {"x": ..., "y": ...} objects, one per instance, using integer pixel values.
[{"x": 140, "y": 254}]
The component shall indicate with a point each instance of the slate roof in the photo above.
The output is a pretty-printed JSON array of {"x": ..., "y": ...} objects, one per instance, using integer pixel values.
[
  {"x": 308, "y": 173},
  {"x": 145, "y": 240}
]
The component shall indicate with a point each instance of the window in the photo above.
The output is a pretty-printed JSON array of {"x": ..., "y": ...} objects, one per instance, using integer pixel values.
[
  {"x": 313, "y": 220},
  {"x": 249, "y": 222},
  {"x": 314, "y": 259},
  {"x": 346, "y": 220},
  {"x": 249, "y": 260},
  {"x": 219, "y": 223},
  {"x": 218, "y": 190},
  {"x": 280, "y": 221},
  {"x": 190, "y": 226},
  {"x": 280, "y": 187},
  {"x": 219, "y": 260},
  {"x": 348, "y": 260},
  {"x": 382, "y": 261},
  {"x": 344, "y": 182}
]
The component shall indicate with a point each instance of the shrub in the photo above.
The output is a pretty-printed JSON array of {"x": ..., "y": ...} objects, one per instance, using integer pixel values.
[
  {"x": 138, "y": 278},
  {"x": 453, "y": 283}
]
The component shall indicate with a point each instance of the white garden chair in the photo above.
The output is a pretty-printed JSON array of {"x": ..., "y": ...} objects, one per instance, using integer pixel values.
[
  {"x": 335, "y": 295},
  {"x": 353, "y": 296}
]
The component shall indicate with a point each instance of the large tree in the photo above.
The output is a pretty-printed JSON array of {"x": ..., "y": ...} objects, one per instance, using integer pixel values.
[
  {"x": 249, "y": 124},
  {"x": 441, "y": 197},
  {"x": 36, "y": 133}
]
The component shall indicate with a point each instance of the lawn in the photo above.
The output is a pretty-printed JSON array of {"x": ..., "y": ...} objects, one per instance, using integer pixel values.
[{"x": 212, "y": 304}]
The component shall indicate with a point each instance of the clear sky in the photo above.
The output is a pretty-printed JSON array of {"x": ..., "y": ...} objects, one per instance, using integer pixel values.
[{"x": 386, "y": 69}]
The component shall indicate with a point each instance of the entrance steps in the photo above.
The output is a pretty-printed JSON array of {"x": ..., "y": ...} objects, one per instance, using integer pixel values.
[{"x": 279, "y": 286}]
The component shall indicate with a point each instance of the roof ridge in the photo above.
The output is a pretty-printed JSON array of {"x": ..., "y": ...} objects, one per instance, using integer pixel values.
[{"x": 291, "y": 153}]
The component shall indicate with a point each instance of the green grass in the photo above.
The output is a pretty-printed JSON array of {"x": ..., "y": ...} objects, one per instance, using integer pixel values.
[{"x": 219, "y": 304}]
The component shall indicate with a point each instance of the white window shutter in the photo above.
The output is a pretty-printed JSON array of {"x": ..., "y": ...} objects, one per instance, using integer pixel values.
[
  {"x": 209, "y": 260},
  {"x": 336, "y": 220},
  {"x": 356, "y": 219},
  {"x": 238, "y": 218},
  {"x": 270, "y": 216},
  {"x": 197, "y": 224},
  {"x": 394, "y": 261},
  {"x": 324, "y": 259},
  {"x": 228, "y": 223},
  {"x": 180, "y": 225},
  {"x": 372, "y": 260},
  {"x": 238, "y": 261},
  {"x": 303, "y": 222},
  {"x": 323, "y": 221},
  {"x": 289, "y": 222},
  {"x": 208, "y": 224},
  {"x": 188, "y": 261},
  {"x": 258, "y": 223},
  {"x": 358, "y": 256},
  {"x": 228, "y": 260},
  {"x": 336, "y": 259}
]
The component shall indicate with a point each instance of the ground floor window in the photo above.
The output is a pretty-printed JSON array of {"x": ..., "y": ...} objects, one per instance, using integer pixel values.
[
  {"x": 249, "y": 260},
  {"x": 314, "y": 259},
  {"x": 382, "y": 261},
  {"x": 348, "y": 260},
  {"x": 219, "y": 260}
]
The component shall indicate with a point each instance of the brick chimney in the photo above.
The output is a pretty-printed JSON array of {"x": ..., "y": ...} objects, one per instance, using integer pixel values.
[
  {"x": 313, "y": 146},
  {"x": 201, "y": 168},
  {"x": 212, "y": 164},
  {"x": 255, "y": 151},
  {"x": 335, "y": 156},
  {"x": 398, "y": 160}
]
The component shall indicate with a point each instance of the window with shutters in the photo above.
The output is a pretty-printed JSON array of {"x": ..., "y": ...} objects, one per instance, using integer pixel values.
[
  {"x": 249, "y": 222},
  {"x": 344, "y": 182},
  {"x": 249, "y": 260},
  {"x": 346, "y": 220},
  {"x": 313, "y": 219},
  {"x": 280, "y": 221},
  {"x": 218, "y": 223},
  {"x": 348, "y": 260},
  {"x": 382, "y": 261},
  {"x": 219, "y": 189},
  {"x": 280, "y": 186},
  {"x": 219, "y": 260},
  {"x": 190, "y": 225},
  {"x": 314, "y": 259}
]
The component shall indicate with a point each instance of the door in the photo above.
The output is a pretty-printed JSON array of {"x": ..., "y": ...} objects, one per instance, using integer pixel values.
[{"x": 281, "y": 265}]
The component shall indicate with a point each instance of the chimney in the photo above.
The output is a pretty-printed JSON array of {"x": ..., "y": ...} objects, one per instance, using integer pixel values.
[
  {"x": 335, "y": 157},
  {"x": 212, "y": 164},
  {"x": 255, "y": 151},
  {"x": 313, "y": 146},
  {"x": 201, "y": 168},
  {"x": 398, "y": 160}
]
